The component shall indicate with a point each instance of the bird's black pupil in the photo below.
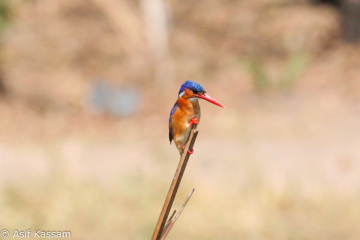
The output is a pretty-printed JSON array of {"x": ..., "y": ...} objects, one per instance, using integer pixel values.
[{"x": 195, "y": 92}]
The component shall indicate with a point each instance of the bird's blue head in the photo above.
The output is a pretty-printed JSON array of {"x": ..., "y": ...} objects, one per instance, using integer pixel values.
[
  {"x": 197, "y": 91},
  {"x": 193, "y": 86}
]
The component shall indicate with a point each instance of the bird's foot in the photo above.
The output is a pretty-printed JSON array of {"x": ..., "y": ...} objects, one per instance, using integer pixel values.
[
  {"x": 189, "y": 151},
  {"x": 193, "y": 121}
]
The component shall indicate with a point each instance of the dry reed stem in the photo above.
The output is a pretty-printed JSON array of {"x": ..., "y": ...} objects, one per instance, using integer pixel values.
[
  {"x": 174, "y": 217},
  {"x": 173, "y": 189}
]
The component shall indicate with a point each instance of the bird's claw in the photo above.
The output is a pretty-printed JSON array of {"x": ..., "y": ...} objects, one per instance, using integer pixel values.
[
  {"x": 193, "y": 121},
  {"x": 189, "y": 151}
]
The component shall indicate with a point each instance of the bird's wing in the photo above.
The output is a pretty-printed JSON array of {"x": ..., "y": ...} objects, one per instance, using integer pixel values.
[{"x": 170, "y": 129}]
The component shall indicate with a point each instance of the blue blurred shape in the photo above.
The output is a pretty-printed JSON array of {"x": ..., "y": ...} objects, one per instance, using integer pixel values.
[{"x": 119, "y": 102}]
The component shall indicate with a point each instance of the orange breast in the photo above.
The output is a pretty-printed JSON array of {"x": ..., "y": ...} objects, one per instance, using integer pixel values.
[{"x": 180, "y": 122}]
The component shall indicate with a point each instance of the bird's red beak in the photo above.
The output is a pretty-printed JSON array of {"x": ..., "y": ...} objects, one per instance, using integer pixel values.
[{"x": 210, "y": 99}]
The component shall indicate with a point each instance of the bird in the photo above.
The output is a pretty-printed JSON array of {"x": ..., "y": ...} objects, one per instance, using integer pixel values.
[{"x": 185, "y": 114}]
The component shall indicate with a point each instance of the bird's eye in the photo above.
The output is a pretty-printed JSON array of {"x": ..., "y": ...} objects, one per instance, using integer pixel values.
[{"x": 195, "y": 92}]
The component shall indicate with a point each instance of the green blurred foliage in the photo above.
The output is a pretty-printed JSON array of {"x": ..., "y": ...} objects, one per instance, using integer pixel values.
[
  {"x": 5, "y": 13},
  {"x": 293, "y": 67}
]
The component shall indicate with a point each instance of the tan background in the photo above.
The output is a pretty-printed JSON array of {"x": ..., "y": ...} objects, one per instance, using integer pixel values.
[{"x": 281, "y": 161}]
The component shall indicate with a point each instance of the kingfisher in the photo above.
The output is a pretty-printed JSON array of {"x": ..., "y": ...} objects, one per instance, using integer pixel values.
[{"x": 185, "y": 114}]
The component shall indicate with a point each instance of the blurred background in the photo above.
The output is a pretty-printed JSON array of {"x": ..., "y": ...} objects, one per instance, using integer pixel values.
[{"x": 86, "y": 88}]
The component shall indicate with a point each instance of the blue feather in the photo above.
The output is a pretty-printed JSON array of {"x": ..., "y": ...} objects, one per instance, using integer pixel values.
[
  {"x": 171, "y": 113},
  {"x": 194, "y": 86}
]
